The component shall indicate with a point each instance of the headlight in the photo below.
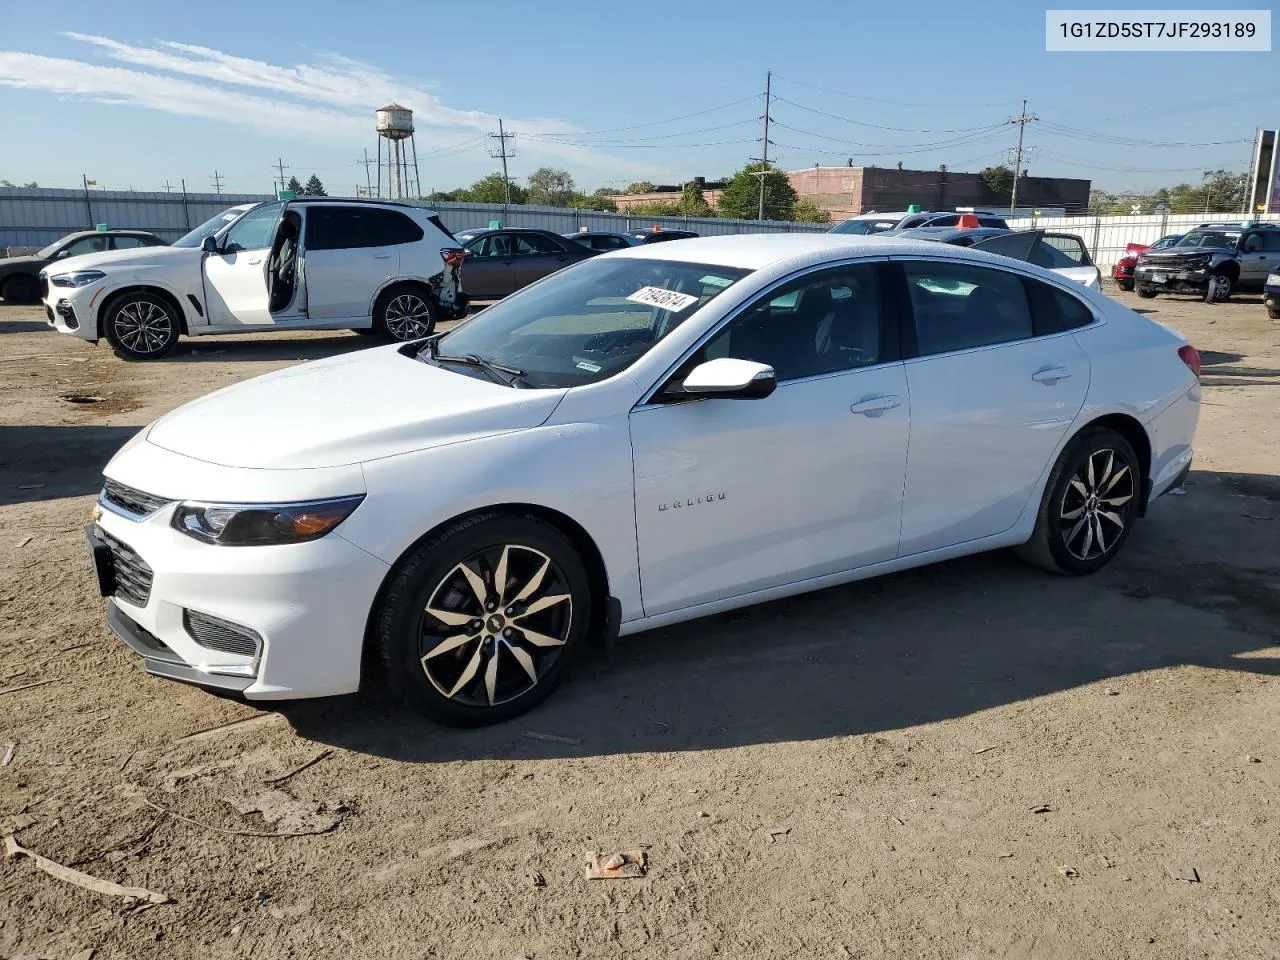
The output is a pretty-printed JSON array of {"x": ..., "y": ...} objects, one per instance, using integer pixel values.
[
  {"x": 258, "y": 524},
  {"x": 81, "y": 278}
]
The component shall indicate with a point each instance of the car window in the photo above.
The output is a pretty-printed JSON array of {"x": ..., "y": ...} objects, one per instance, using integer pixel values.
[
  {"x": 1271, "y": 241},
  {"x": 129, "y": 243},
  {"x": 960, "y": 306},
  {"x": 590, "y": 321},
  {"x": 1217, "y": 239},
  {"x": 993, "y": 222},
  {"x": 1054, "y": 311},
  {"x": 85, "y": 245},
  {"x": 384, "y": 228},
  {"x": 1059, "y": 252},
  {"x": 824, "y": 322},
  {"x": 1253, "y": 243},
  {"x": 491, "y": 245},
  {"x": 529, "y": 243},
  {"x": 254, "y": 230},
  {"x": 950, "y": 220}
]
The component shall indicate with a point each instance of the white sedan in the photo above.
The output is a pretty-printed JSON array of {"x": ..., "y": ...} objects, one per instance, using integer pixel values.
[{"x": 652, "y": 435}]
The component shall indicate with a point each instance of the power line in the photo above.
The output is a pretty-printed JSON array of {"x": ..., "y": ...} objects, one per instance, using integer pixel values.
[
  {"x": 896, "y": 103},
  {"x": 652, "y": 123},
  {"x": 876, "y": 126}
]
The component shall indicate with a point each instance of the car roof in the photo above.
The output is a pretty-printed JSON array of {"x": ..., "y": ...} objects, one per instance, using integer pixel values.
[
  {"x": 944, "y": 234},
  {"x": 755, "y": 251},
  {"x": 122, "y": 231}
]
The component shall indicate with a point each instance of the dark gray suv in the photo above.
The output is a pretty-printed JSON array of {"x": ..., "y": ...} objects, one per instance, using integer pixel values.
[{"x": 1211, "y": 261}]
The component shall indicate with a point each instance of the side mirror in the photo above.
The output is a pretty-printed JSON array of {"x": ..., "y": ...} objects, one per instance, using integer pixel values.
[
  {"x": 209, "y": 244},
  {"x": 729, "y": 378}
]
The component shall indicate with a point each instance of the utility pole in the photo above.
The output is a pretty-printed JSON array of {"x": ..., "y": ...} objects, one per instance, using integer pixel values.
[
  {"x": 84, "y": 179},
  {"x": 1022, "y": 119},
  {"x": 764, "y": 140},
  {"x": 281, "y": 167},
  {"x": 503, "y": 154},
  {"x": 167, "y": 188},
  {"x": 186, "y": 214},
  {"x": 217, "y": 182},
  {"x": 1246, "y": 202},
  {"x": 368, "y": 183}
]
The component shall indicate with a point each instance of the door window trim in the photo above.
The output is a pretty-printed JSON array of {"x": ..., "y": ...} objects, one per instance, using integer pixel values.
[
  {"x": 907, "y": 319},
  {"x": 890, "y": 326}
]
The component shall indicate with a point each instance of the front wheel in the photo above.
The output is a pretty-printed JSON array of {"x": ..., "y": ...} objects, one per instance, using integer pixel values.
[
  {"x": 1219, "y": 289},
  {"x": 1089, "y": 505},
  {"x": 1146, "y": 293},
  {"x": 480, "y": 623},
  {"x": 21, "y": 289},
  {"x": 141, "y": 326},
  {"x": 1273, "y": 313},
  {"x": 404, "y": 312},
  {"x": 1125, "y": 285}
]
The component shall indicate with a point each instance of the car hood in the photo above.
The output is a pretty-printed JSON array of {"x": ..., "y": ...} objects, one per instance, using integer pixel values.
[
  {"x": 350, "y": 409},
  {"x": 1177, "y": 253},
  {"x": 138, "y": 256},
  {"x": 19, "y": 264}
]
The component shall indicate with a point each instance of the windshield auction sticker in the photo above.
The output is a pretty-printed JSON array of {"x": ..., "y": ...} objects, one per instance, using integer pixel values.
[
  {"x": 1168, "y": 30},
  {"x": 666, "y": 299}
]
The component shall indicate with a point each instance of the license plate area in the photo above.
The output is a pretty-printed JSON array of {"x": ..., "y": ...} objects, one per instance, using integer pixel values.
[{"x": 100, "y": 559}]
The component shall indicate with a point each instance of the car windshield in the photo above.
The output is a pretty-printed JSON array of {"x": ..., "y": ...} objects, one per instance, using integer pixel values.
[
  {"x": 587, "y": 322},
  {"x": 207, "y": 229},
  {"x": 1219, "y": 239},
  {"x": 48, "y": 252},
  {"x": 864, "y": 227}
]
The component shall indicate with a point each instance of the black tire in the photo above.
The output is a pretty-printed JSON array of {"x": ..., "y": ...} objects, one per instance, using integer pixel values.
[
  {"x": 404, "y": 312},
  {"x": 459, "y": 687},
  {"x": 1273, "y": 313},
  {"x": 1125, "y": 285},
  {"x": 1069, "y": 515},
  {"x": 141, "y": 326},
  {"x": 21, "y": 289},
  {"x": 366, "y": 331},
  {"x": 1146, "y": 293},
  {"x": 1219, "y": 288}
]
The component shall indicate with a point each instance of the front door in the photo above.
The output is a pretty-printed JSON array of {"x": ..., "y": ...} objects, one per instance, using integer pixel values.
[
  {"x": 235, "y": 278},
  {"x": 489, "y": 270},
  {"x": 990, "y": 400},
  {"x": 734, "y": 496}
]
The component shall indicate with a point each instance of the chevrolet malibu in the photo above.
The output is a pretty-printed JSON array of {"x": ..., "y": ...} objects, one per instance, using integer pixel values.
[{"x": 652, "y": 435}]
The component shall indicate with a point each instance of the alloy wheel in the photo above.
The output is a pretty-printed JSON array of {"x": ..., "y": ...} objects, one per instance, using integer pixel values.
[
  {"x": 143, "y": 327},
  {"x": 408, "y": 317},
  {"x": 494, "y": 625},
  {"x": 1097, "y": 503}
]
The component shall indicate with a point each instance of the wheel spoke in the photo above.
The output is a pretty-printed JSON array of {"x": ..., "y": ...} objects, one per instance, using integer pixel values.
[
  {"x": 526, "y": 661},
  {"x": 491, "y": 676},
  {"x": 452, "y": 618},
  {"x": 1118, "y": 501},
  {"x": 1102, "y": 543},
  {"x": 1088, "y": 538},
  {"x": 1076, "y": 529},
  {"x": 541, "y": 604},
  {"x": 1073, "y": 514},
  {"x": 500, "y": 575},
  {"x": 541, "y": 639},
  {"x": 1106, "y": 473},
  {"x": 469, "y": 673},
  {"x": 534, "y": 583},
  {"x": 1092, "y": 484},
  {"x": 449, "y": 643},
  {"x": 1079, "y": 487},
  {"x": 1113, "y": 517},
  {"x": 477, "y": 583},
  {"x": 1115, "y": 479}
]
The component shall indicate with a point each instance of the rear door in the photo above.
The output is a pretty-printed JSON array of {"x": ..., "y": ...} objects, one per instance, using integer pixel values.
[
  {"x": 1259, "y": 255},
  {"x": 351, "y": 252},
  {"x": 489, "y": 269},
  {"x": 538, "y": 255},
  {"x": 993, "y": 391}
]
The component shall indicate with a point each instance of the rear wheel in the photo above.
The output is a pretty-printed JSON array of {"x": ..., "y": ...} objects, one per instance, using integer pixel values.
[
  {"x": 21, "y": 289},
  {"x": 480, "y": 623},
  {"x": 404, "y": 312},
  {"x": 1089, "y": 505},
  {"x": 141, "y": 326}
]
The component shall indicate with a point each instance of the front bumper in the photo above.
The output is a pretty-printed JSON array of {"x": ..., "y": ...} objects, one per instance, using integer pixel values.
[
  {"x": 1271, "y": 297},
  {"x": 72, "y": 309},
  {"x": 307, "y": 604},
  {"x": 1172, "y": 280}
]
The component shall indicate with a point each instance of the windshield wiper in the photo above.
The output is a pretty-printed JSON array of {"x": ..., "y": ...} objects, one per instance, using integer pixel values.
[{"x": 498, "y": 372}]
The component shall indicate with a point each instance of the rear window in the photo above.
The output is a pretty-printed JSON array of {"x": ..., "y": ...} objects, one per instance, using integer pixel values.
[
  {"x": 1054, "y": 311},
  {"x": 346, "y": 228}
]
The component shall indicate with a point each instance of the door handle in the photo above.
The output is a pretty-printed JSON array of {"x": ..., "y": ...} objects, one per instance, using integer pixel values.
[
  {"x": 255, "y": 260},
  {"x": 875, "y": 405},
  {"x": 382, "y": 256},
  {"x": 1051, "y": 375}
]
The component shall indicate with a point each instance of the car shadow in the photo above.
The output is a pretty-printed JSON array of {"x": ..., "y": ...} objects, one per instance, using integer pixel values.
[
  {"x": 255, "y": 347},
  {"x": 932, "y": 644},
  {"x": 1217, "y": 371},
  {"x": 24, "y": 326},
  {"x": 34, "y": 461}
]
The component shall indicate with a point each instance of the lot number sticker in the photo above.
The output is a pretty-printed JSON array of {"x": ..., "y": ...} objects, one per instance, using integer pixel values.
[{"x": 666, "y": 299}]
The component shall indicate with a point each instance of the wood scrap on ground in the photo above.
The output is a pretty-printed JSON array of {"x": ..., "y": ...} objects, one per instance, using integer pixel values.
[{"x": 66, "y": 874}]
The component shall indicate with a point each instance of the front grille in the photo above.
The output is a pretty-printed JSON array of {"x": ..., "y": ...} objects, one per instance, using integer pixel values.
[
  {"x": 222, "y": 635},
  {"x": 132, "y": 502},
  {"x": 133, "y": 575}
]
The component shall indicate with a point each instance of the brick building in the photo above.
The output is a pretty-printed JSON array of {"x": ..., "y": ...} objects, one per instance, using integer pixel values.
[
  {"x": 847, "y": 191},
  {"x": 669, "y": 193}
]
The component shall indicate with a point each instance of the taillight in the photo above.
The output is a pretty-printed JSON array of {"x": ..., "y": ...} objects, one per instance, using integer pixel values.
[
  {"x": 453, "y": 255},
  {"x": 1191, "y": 357}
]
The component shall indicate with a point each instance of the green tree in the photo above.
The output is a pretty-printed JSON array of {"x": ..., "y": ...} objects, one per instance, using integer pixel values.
[
  {"x": 654, "y": 209},
  {"x": 446, "y": 196},
  {"x": 551, "y": 187},
  {"x": 1101, "y": 202},
  {"x": 314, "y": 187},
  {"x": 741, "y": 198},
  {"x": 999, "y": 180},
  {"x": 640, "y": 186},
  {"x": 806, "y": 211},
  {"x": 692, "y": 203},
  {"x": 593, "y": 202},
  {"x": 296, "y": 187},
  {"x": 491, "y": 189}
]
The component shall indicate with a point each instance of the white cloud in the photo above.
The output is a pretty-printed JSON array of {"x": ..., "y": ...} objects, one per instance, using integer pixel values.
[{"x": 330, "y": 100}]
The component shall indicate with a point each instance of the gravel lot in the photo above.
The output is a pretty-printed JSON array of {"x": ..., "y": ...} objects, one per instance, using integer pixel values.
[{"x": 849, "y": 774}]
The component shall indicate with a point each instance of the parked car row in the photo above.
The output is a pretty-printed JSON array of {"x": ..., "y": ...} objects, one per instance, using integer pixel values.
[
  {"x": 865, "y": 224},
  {"x": 1211, "y": 261},
  {"x": 1122, "y": 271},
  {"x": 20, "y": 276}
]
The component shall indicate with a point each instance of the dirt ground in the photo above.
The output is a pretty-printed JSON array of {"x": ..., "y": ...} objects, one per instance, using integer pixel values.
[{"x": 854, "y": 773}]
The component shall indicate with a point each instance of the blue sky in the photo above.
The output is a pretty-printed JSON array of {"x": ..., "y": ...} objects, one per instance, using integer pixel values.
[{"x": 134, "y": 92}]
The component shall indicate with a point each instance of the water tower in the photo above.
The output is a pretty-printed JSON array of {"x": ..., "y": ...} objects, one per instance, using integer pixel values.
[{"x": 395, "y": 125}]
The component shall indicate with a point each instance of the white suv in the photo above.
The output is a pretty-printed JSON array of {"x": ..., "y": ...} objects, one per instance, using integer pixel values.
[{"x": 307, "y": 264}]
